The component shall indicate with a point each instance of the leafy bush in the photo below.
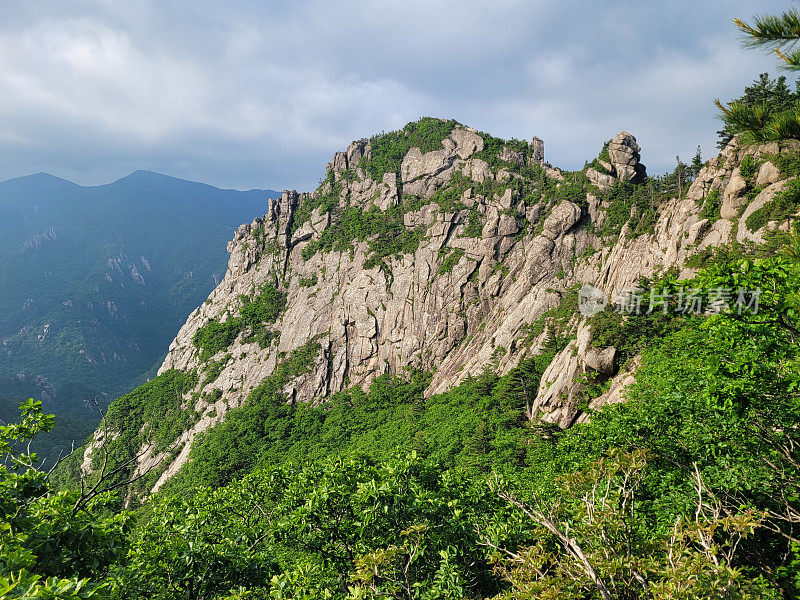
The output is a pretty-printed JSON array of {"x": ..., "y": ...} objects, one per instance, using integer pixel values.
[
  {"x": 711, "y": 206},
  {"x": 474, "y": 227},
  {"x": 53, "y": 545},
  {"x": 308, "y": 281},
  {"x": 630, "y": 334},
  {"x": 450, "y": 260}
]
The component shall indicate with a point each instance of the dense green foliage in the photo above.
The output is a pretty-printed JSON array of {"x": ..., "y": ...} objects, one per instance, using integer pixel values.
[
  {"x": 630, "y": 334},
  {"x": 255, "y": 314},
  {"x": 479, "y": 424},
  {"x": 49, "y": 547},
  {"x": 389, "y": 149},
  {"x": 687, "y": 489},
  {"x": 761, "y": 103}
]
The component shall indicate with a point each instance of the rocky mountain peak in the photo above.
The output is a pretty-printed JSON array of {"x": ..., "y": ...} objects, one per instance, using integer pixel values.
[
  {"x": 444, "y": 249},
  {"x": 623, "y": 152},
  {"x": 619, "y": 161}
]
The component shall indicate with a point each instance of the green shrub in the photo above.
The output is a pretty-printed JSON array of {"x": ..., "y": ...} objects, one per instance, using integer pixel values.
[
  {"x": 255, "y": 314},
  {"x": 555, "y": 321},
  {"x": 748, "y": 167},
  {"x": 474, "y": 227},
  {"x": 711, "y": 206},
  {"x": 788, "y": 163},
  {"x": 630, "y": 334},
  {"x": 782, "y": 206},
  {"x": 389, "y": 149},
  {"x": 451, "y": 258},
  {"x": 308, "y": 281}
]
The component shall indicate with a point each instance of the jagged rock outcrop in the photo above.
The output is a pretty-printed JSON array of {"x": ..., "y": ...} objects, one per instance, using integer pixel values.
[
  {"x": 622, "y": 164},
  {"x": 479, "y": 266},
  {"x": 624, "y": 158}
]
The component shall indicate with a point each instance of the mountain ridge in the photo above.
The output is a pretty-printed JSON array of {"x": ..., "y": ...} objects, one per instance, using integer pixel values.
[
  {"x": 446, "y": 250},
  {"x": 94, "y": 278},
  {"x": 136, "y": 174}
]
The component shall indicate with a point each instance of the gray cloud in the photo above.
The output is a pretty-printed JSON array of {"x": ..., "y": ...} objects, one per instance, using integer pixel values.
[{"x": 260, "y": 94}]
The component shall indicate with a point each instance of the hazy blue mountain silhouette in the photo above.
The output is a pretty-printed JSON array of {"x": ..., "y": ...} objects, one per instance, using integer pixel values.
[{"x": 95, "y": 281}]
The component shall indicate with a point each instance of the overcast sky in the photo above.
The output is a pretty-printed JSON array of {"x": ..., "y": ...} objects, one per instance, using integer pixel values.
[{"x": 260, "y": 93}]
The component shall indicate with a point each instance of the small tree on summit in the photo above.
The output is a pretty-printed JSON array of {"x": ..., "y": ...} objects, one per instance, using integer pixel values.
[{"x": 763, "y": 100}]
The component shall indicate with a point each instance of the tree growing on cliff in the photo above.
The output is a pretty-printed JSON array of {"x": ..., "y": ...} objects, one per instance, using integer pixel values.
[
  {"x": 765, "y": 95},
  {"x": 768, "y": 110}
]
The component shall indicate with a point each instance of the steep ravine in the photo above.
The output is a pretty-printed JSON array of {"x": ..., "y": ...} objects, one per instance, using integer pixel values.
[{"x": 446, "y": 264}]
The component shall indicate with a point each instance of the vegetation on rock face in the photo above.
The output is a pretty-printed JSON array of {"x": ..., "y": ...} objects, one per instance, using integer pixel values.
[
  {"x": 385, "y": 231},
  {"x": 389, "y": 149},
  {"x": 628, "y": 202},
  {"x": 451, "y": 258},
  {"x": 149, "y": 419},
  {"x": 782, "y": 206},
  {"x": 53, "y": 545},
  {"x": 255, "y": 314},
  {"x": 711, "y": 206},
  {"x": 323, "y": 203}
]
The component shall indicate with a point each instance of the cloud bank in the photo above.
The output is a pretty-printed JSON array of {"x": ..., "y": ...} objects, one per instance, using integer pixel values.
[{"x": 260, "y": 94}]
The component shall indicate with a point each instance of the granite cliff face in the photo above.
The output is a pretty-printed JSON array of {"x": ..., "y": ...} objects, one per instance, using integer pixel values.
[{"x": 448, "y": 260}]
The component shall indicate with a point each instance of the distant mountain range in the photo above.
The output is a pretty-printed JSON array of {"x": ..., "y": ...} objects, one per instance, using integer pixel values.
[{"x": 96, "y": 281}]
